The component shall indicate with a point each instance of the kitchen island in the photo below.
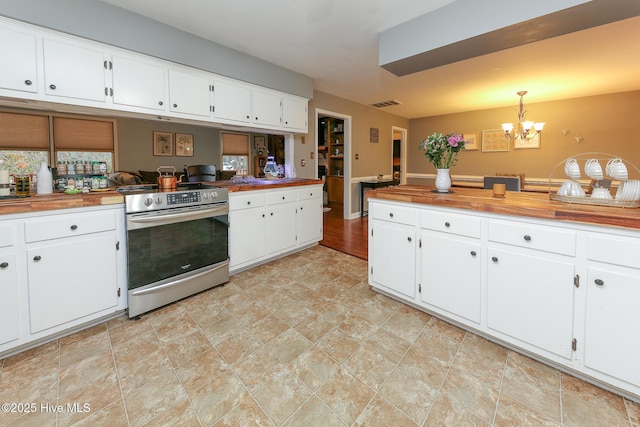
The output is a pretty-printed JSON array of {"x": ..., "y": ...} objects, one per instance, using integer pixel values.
[{"x": 558, "y": 282}]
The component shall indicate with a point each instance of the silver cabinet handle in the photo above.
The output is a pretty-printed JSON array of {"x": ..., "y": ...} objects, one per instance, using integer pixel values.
[
  {"x": 599, "y": 282},
  {"x": 52, "y": 87},
  {"x": 4, "y": 265},
  {"x": 527, "y": 237},
  {"x": 37, "y": 258},
  {"x": 494, "y": 258},
  {"x": 473, "y": 253}
]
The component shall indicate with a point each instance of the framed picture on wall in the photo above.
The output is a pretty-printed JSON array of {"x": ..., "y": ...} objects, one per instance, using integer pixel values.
[
  {"x": 472, "y": 140},
  {"x": 494, "y": 140},
  {"x": 184, "y": 145},
  {"x": 162, "y": 144},
  {"x": 527, "y": 143}
]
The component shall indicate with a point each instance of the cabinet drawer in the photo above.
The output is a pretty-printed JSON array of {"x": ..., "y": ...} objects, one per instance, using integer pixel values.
[
  {"x": 275, "y": 197},
  {"x": 397, "y": 214},
  {"x": 451, "y": 223},
  {"x": 309, "y": 192},
  {"x": 59, "y": 226},
  {"x": 548, "y": 239},
  {"x": 246, "y": 201},
  {"x": 6, "y": 235},
  {"x": 616, "y": 250}
]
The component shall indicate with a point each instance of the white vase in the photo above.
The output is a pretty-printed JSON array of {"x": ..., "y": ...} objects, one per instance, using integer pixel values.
[
  {"x": 443, "y": 180},
  {"x": 44, "y": 185}
]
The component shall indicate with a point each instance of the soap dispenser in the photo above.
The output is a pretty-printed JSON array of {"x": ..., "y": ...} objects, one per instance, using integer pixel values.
[{"x": 45, "y": 180}]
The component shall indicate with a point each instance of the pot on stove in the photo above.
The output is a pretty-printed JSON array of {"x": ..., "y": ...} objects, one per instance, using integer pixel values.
[{"x": 167, "y": 180}]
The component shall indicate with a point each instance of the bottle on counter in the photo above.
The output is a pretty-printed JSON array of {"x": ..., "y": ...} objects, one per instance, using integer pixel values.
[
  {"x": 62, "y": 167},
  {"x": 71, "y": 168},
  {"x": 44, "y": 182}
]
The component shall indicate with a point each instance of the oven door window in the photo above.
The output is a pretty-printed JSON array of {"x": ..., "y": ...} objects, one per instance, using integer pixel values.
[{"x": 165, "y": 251}]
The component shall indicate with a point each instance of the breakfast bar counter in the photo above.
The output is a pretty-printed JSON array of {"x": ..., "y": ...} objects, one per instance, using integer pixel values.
[{"x": 527, "y": 204}]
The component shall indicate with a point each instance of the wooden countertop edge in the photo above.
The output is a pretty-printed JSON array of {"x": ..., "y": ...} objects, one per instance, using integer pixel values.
[
  {"x": 45, "y": 202},
  {"x": 535, "y": 205}
]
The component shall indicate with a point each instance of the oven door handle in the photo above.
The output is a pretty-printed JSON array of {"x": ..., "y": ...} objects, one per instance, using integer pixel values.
[
  {"x": 143, "y": 221},
  {"x": 179, "y": 281}
]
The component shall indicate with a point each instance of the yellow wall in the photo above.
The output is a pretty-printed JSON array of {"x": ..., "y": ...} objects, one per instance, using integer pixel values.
[{"x": 608, "y": 124}]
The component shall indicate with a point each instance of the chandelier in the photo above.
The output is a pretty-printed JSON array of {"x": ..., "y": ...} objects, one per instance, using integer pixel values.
[{"x": 523, "y": 130}]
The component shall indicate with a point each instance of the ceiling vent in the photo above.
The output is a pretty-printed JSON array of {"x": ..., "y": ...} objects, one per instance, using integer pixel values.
[{"x": 388, "y": 103}]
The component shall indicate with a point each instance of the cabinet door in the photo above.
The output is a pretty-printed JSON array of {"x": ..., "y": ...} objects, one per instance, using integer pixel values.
[
  {"x": 74, "y": 71},
  {"x": 309, "y": 222},
  {"x": 9, "y": 315},
  {"x": 232, "y": 102},
  {"x": 613, "y": 302},
  {"x": 71, "y": 279},
  {"x": 139, "y": 84},
  {"x": 19, "y": 56},
  {"x": 451, "y": 287},
  {"x": 281, "y": 229},
  {"x": 267, "y": 109},
  {"x": 247, "y": 236},
  {"x": 189, "y": 94},
  {"x": 294, "y": 114},
  {"x": 530, "y": 298},
  {"x": 392, "y": 252}
]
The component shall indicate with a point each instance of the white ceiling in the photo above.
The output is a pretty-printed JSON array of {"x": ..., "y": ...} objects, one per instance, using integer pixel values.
[{"x": 336, "y": 43}]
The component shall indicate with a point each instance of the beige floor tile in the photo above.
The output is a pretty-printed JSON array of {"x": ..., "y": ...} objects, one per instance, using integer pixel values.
[
  {"x": 282, "y": 396},
  {"x": 633, "y": 409},
  {"x": 410, "y": 391},
  {"x": 268, "y": 328},
  {"x": 510, "y": 413},
  {"x": 39, "y": 418},
  {"x": 381, "y": 413},
  {"x": 238, "y": 346},
  {"x": 358, "y": 327},
  {"x": 376, "y": 310},
  {"x": 534, "y": 369},
  {"x": 181, "y": 349},
  {"x": 181, "y": 414},
  {"x": 288, "y": 345},
  {"x": 86, "y": 372},
  {"x": 112, "y": 415},
  {"x": 369, "y": 367},
  {"x": 257, "y": 369},
  {"x": 605, "y": 400},
  {"x": 45, "y": 354},
  {"x": 314, "y": 367},
  {"x": 473, "y": 395},
  {"x": 387, "y": 344},
  {"x": 338, "y": 344},
  {"x": 482, "y": 359},
  {"x": 314, "y": 413},
  {"x": 85, "y": 333},
  {"x": 247, "y": 413},
  {"x": 431, "y": 369},
  {"x": 132, "y": 350},
  {"x": 40, "y": 389},
  {"x": 447, "y": 412},
  {"x": 135, "y": 373},
  {"x": 98, "y": 394},
  {"x": 201, "y": 370},
  {"x": 127, "y": 329},
  {"x": 345, "y": 395},
  {"x": 175, "y": 325},
  {"x": 577, "y": 413},
  {"x": 154, "y": 398},
  {"x": 407, "y": 323},
  {"x": 314, "y": 327},
  {"x": 293, "y": 312},
  {"x": 89, "y": 347},
  {"x": 223, "y": 327}
]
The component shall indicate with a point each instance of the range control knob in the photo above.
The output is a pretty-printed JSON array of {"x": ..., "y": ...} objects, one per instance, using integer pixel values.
[
  {"x": 159, "y": 200},
  {"x": 148, "y": 201},
  {"x": 206, "y": 196},
  {"x": 214, "y": 194}
]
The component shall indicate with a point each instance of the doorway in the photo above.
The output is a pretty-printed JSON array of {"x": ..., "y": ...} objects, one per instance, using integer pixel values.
[
  {"x": 399, "y": 154},
  {"x": 332, "y": 150}
]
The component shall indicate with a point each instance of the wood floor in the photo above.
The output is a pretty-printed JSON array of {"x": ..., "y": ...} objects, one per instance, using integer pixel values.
[{"x": 348, "y": 236}]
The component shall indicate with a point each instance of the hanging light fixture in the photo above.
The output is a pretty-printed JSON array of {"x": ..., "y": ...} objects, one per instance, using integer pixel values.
[{"x": 524, "y": 127}]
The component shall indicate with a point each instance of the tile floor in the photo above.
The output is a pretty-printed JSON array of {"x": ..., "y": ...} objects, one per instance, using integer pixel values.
[{"x": 301, "y": 341}]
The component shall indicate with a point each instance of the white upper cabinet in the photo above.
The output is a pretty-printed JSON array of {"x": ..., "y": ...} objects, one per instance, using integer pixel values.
[
  {"x": 74, "y": 71},
  {"x": 294, "y": 113},
  {"x": 267, "y": 108},
  {"x": 189, "y": 93},
  {"x": 19, "y": 55},
  {"x": 45, "y": 65},
  {"x": 138, "y": 83},
  {"x": 231, "y": 102}
]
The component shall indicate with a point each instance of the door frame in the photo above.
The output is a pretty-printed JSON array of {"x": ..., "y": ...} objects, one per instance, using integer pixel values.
[
  {"x": 346, "y": 203},
  {"x": 403, "y": 153}
]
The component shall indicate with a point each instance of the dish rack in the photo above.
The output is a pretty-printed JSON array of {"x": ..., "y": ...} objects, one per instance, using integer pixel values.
[{"x": 558, "y": 176}]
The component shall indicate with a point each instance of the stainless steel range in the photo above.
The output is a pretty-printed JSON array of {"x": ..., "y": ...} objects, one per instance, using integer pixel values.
[{"x": 177, "y": 243}]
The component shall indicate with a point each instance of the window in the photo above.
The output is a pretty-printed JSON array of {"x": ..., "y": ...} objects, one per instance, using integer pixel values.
[
  {"x": 235, "y": 151},
  {"x": 24, "y": 142}
]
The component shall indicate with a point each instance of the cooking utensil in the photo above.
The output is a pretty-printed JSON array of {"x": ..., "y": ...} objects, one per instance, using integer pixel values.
[{"x": 168, "y": 180}]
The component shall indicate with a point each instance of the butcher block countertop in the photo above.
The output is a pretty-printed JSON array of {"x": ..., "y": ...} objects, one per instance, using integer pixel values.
[
  {"x": 535, "y": 205},
  {"x": 45, "y": 202}
]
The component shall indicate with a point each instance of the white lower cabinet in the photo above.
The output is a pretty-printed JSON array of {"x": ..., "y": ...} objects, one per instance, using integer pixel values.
[
  {"x": 565, "y": 293},
  {"x": 266, "y": 224},
  {"x": 530, "y": 298},
  {"x": 64, "y": 270}
]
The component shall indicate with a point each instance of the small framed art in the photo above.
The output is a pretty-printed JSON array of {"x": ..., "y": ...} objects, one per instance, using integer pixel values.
[
  {"x": 494, "y": 140},
  {"x": 472, "y": 141},
  {"x": 184, "y": 145},
  {"x": 162, "y": 144}
]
